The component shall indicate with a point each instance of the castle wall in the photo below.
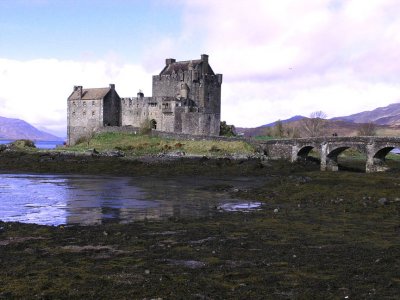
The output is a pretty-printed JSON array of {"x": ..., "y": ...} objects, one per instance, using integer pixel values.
[
  {"x": 200, "y": 124},
  {"x": 83, "y": 118},
  {"x": 111, "y": 108}
]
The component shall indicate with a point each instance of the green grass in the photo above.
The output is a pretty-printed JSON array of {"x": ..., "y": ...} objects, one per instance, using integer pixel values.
[{"x": 136, "y": 145}]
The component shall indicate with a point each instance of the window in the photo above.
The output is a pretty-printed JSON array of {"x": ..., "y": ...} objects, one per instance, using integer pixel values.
[
  {"x": 93, "y": 103},
  {"x": 84, "y": 103},
  {"x": 93, "y": 113},
  {"x": 84, "y": 113}
]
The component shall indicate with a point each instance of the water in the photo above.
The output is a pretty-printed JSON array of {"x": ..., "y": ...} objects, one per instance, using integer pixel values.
[
  {"x": 90, "y": 200},
  {"x": 39, "y": 144}
]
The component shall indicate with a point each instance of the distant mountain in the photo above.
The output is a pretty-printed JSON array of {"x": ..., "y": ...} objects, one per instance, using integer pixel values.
[
  {"x": 260, "y": 130},
  {"x": 388, "y": 115},
  {"x": 292, "y": 119},
  {"x": 386, "y": 118},
  {"x": 12, "y": 129}
]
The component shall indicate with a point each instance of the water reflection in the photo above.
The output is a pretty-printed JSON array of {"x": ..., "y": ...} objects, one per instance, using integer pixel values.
[{"x": 71, "y": 199}]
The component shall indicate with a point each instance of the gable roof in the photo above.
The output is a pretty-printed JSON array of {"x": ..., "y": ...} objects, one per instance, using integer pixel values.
[
  {"x": 184, "y": 66},
  {"x": 90, "y": 94}
]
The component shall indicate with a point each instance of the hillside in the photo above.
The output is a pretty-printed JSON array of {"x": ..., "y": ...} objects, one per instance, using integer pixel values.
[
  {"x": 388, "y": 115},
  {"x": 386, "y": 118},
  {"x": 12, "y": 129}
]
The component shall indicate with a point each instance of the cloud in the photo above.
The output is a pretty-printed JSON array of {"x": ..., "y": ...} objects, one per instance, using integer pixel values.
[
  {"x": 278, "y": 58},
  {"x": 37, "y": 90},
  {"x": 281, "y": 58}
]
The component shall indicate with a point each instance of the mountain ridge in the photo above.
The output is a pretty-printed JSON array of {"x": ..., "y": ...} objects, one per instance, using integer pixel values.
[
  {"x": 13, "y": 129},
  {"x": 386, "y": 118}
]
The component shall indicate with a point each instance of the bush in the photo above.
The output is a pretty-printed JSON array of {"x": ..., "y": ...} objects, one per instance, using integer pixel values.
[
  {"x": 227, "y": 130},
  {"x": 145, "y": 127},
  {"x": 24, "y": 143}
]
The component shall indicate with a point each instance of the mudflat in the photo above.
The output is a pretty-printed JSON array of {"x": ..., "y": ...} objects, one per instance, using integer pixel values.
[{"x": 317, "y": 235}]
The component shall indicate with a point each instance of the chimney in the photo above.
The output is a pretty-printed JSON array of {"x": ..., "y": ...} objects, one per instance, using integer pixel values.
[
  {"x": 204, "y": 57},
  {"x": 140, "y": 94},
  {"x": 78, "y": 88},
  {"x": 169, "y": 61},
  {"x": 204, "y": 60},
  {"x": 112, "y": 86}
]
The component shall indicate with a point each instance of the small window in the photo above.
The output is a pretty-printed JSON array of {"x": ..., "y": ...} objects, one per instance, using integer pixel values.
[
  {"x": 130, "y": 102},
  {"x": 74, "y": 103},
  {"x": 84, "y": 103},
  {"x": 93, "y": 103},
  {"x": 73, "y": 113},
  {"x": 84, "y": 113},
  {"x": 93, "y": 113}
]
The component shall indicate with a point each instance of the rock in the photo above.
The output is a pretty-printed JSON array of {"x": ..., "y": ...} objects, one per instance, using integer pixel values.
[
  {"x": 116, "y": 153},
  {"x": 276, "y": 210},
  {"x": 176, "y": 153},
  {"x": 383, "y": 201}
]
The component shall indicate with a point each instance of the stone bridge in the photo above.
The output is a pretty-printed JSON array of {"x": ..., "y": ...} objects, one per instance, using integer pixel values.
[{"x": 375, "y": 149}]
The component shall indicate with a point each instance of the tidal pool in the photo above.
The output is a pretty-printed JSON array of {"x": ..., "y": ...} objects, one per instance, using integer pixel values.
[{"x": 90, "y": 200}]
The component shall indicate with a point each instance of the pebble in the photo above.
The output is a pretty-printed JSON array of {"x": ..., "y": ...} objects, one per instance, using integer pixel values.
[{"x": 383, "y": 201}]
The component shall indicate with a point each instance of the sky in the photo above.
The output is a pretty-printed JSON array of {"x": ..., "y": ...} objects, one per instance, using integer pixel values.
[{"x": 278, "y": 58}]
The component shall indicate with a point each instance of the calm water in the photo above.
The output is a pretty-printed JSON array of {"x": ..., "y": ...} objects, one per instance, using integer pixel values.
[
  {"x": 88, "y": 200},
  {"x": 39, "y": 144}
]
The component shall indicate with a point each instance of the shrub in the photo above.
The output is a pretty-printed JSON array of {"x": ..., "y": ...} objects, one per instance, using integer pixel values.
[
  {"x": 145, "y": 127},
  {"x": 24, "y": 143}
]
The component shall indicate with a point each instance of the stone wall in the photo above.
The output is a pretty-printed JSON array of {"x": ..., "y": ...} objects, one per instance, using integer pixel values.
[{"x": 83, "y": 117}]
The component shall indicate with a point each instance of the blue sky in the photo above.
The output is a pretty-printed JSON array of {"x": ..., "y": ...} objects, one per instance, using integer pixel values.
[
  {"x": 278, "y": 58},
  {"x": 83, "y": 29}
]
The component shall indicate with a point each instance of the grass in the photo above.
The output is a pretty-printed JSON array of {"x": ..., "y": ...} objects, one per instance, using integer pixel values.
[{"x": 137, "y": 145}]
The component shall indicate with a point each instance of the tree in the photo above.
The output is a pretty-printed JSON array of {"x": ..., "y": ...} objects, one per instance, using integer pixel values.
[
  {"x": 367, "y": 129},
  {"x": 227, "y": 130},
  {"x": 314, "y": 125},
  {"x": 279, "y": 130}
]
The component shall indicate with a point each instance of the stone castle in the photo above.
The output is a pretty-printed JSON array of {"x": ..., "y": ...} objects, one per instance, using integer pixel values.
[{"x": 186, "y": 99}]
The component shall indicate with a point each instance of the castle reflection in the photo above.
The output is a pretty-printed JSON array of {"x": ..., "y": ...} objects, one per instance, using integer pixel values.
[
  {"x": 101, "y": 200},
  {"x": 91, "y": 200}
]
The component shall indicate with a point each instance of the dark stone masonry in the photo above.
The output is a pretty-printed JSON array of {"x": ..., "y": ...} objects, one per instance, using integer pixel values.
[{"x": 186, "y": 99}]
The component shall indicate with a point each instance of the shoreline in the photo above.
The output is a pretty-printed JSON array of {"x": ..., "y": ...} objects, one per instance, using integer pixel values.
[{"x": 88, "y": 163}]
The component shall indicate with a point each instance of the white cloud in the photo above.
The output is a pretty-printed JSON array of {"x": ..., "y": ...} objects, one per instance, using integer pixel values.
[
  {"x": 37, "y": 90},
  {"x": 281, "y": 58}
]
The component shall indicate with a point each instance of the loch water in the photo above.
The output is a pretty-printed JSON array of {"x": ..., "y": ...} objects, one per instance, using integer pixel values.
[{"x": 91, "y": 200}]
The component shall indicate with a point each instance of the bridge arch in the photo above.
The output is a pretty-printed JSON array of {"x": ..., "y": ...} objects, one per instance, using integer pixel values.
[
  {"x": 377, "y": 159},
  {"x": 381, "y": 153},
  {"x": 304, "y": 151},
  {"x": 333, "y": 158}
]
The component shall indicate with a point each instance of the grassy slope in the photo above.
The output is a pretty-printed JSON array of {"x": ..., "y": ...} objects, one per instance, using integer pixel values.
[{"x": 136, "y": 145}]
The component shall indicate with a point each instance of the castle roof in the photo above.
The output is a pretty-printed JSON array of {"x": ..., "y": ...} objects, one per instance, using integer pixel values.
[
  {"x": 183, "y": 66},
  {"x": 90, "y": 94}
]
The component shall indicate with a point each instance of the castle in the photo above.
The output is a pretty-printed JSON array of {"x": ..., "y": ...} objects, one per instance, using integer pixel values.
[{"x": 186, "y": 99}]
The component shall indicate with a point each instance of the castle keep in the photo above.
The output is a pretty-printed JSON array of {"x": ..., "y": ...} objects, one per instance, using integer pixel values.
[{"x": 186, "y": 99}]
